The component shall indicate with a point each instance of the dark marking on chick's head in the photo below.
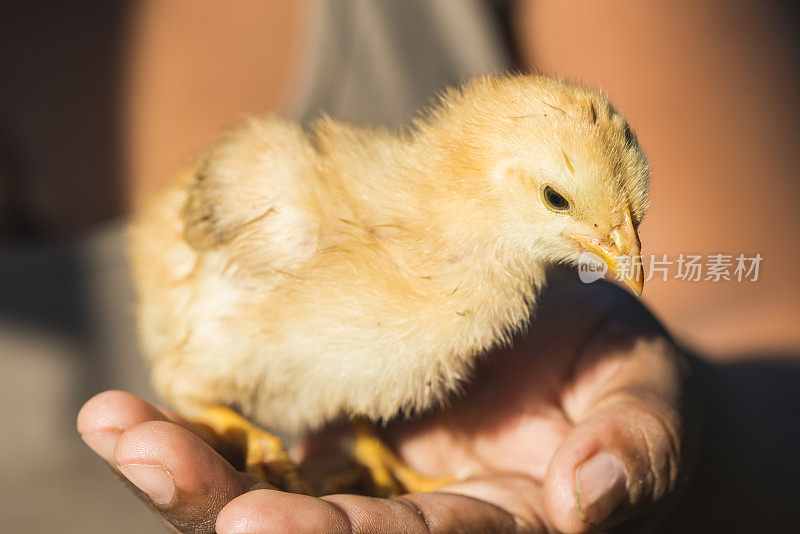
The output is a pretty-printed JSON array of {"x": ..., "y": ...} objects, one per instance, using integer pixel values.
[{"x": 592, "y": 113}]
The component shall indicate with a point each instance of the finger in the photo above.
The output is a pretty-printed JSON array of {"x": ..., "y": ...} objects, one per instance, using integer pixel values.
[
  {"x": 181, "y": 475},
  {"x": 104, "y": 417},
  {"x": 625, "y": 452},
  {"x": 462, "y": 510}
]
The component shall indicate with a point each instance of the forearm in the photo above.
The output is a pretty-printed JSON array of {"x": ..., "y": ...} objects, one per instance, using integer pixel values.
[
  {"x": 176, "y": 104},
  {"x": 716, "y": 112}
]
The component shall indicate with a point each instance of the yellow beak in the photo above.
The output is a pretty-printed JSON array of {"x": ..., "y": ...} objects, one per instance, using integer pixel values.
[{"x": 621, "y": 251}]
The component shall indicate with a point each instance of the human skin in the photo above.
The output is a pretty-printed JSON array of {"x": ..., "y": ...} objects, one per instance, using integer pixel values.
[{"x": 596, "y": 376}]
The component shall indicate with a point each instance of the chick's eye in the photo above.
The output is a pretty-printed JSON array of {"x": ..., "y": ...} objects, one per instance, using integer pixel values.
[{"x": 554, "y": 200}]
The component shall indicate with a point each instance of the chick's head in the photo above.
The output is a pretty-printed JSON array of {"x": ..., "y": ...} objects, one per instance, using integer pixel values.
[{"x": 563, "y": 169}]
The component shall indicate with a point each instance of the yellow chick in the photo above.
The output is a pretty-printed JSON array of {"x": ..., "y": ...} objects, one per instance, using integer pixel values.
[{"x": 288, "y": 278}]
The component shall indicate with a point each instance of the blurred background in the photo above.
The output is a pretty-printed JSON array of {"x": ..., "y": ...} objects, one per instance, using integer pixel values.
[{"x": 101, "y": 101}]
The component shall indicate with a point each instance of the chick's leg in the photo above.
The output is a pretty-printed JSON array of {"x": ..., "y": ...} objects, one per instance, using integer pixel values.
[
  {"x": 390, "y": 475},
  {"x": 264, "y": 454}
]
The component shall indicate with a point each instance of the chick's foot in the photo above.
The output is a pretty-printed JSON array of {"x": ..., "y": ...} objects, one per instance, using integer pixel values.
[
  {"x": 390, "y": 475},
  {"x": 265, "y": 457}
]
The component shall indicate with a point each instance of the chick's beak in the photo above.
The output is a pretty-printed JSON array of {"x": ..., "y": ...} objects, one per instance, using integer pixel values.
[{"x": 621, "y": 251}]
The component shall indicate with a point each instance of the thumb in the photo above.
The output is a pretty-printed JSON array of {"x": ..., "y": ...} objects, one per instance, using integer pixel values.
[
  {"x": 625, "y": 452},
  {"x": 618, "y": 464}
]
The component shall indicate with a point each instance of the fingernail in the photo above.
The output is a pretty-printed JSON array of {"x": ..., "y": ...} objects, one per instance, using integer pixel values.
[
  {"x": 103, "y": 443},
  {"x": 601, "y": 486},
  {"x": 154, "y": 480}
]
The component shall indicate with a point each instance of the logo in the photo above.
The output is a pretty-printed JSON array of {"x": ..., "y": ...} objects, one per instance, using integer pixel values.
[{"x": 591, "y": 267}]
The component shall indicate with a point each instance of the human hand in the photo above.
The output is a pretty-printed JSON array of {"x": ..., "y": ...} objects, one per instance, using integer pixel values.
[{"x": 580, "y": 426}]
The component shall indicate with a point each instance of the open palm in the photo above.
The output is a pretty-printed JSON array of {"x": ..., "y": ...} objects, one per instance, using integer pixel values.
[{"x": 581, "y": 425}]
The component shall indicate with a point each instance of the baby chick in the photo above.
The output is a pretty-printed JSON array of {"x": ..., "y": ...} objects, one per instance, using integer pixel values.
[{"x": 287, "y": 278}]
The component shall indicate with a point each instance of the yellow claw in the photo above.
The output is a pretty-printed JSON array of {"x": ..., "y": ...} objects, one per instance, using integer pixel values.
[
  {"x": 390, "y": 476},
  {"x": 264, "y": 453}
]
